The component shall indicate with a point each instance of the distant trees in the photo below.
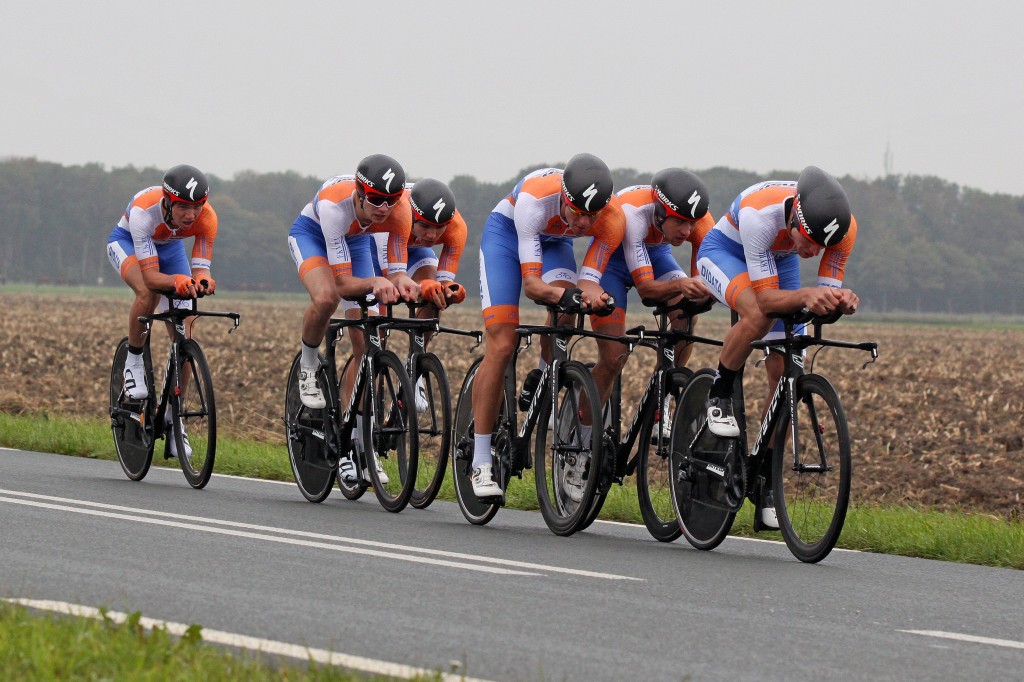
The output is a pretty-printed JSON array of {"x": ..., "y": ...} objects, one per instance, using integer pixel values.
[{"x": 924, "y": 244}]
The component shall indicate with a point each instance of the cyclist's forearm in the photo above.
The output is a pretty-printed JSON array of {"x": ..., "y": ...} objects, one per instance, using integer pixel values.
[
  {"x": 354, "y": 286},
  {"x": 779, "y": 301},
  {"x": 537, "y": 290}
]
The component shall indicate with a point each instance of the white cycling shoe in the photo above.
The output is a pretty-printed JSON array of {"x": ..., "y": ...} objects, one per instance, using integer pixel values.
[
  {"x": 309, "y": 392},
  {"x": 421, "y": 396},
  {"x": 172, "y": 443},
  {"x": 381, "y": 474},
  {"x": 484, "y": 484},
  {"x": 135, "y": 378}
]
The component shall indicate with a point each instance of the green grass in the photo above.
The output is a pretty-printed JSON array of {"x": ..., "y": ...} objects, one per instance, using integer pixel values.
[
  {"x": 45, "y": 647},
  {"x": 907, "y": 531}
]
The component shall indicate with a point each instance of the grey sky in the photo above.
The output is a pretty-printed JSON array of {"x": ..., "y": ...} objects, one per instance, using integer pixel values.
[{"x": 486, "y": 88}]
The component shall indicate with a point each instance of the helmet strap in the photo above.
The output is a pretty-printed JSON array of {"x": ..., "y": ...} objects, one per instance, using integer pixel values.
[{"x": 165, "y": 205}]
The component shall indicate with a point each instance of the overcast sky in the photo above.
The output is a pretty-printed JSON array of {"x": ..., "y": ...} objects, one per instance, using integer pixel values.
[{"x": 486, "y": 88}]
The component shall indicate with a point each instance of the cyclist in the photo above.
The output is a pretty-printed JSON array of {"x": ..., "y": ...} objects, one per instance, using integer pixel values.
[
  {"x": 527, "y": 246},
  {"x": 331, "y": 246},
  {"x": 751, "y": 262},
  {"x": 435, "y": 220},
  {"x": 671, "y": 210},
  {"x": 146, "y": 249}
]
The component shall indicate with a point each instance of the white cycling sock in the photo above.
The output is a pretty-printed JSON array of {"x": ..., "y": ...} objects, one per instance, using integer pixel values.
[
  {"x": 481, "y": 449},
  {"x": 309, "y": 360}
]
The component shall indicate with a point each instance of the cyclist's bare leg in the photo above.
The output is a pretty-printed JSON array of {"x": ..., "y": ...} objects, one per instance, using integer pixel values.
[
  {"x": 358, "y": 340},
  {"x": 430, "y": 310},
  {"x": 488, "y": 386},
  {"x": 324, "y": 298},
  {"x": 683, "y": 349},
  {"x": 145, "y": 303},
  {"x": 752, "y": 325},
  {"x": 611, "y": 358}
]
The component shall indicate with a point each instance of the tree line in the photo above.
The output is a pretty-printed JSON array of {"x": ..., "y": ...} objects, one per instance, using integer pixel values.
[{"x": 923, "y": 244}]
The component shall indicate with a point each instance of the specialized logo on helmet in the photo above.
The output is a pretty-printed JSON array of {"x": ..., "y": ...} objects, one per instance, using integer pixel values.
[
  {"x": 693, "y": 201},
  {"x": 830, "y": 230},
  {"x": 191, "y": 187},
  {"x": 663, "y": 198},
  {"x": 388, "y": 177},
  {"x": 439, "y": 206},
  {"x": 589, "y": 193},
  {"x": 171, "y": 190}
]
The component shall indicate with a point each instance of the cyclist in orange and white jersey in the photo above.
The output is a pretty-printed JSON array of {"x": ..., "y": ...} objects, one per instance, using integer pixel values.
[
  {"x": 672, "y": 210},
  {"x": 527, "y": 246},
  {"x": 146, "y": 250},
  {"x": 751, "y": 262},
  {"x": 331, "y": 246}
]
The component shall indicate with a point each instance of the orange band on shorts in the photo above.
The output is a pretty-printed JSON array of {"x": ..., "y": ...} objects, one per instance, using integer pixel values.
[
  {"x": 127, "y": 264},
  {"x": 618, "y": 316},
  {"x": 529, "y": 269},
  {"x": 501, "y": 314},
  {"x": 150, "y": 263},
  {"x": 737, "y": 285},
  {"x": 311, "y": 264}
]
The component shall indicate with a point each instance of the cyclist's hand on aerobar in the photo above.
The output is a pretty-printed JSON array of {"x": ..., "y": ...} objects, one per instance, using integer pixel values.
[
  {"x": 185, "y": 286},
  {"x": 849, "y": 301},
  {"x": 822, "y": 300},
  {"x": 454, "y": 292},
  {"x": 207, "y": 286},
  {"x": 693, "y": 289},
  {"x": 598, "y": 304},
  {"x": 384, "y": 291},
  {"x": 432, "y": 292},
  {"x": 408, "y": 290}
]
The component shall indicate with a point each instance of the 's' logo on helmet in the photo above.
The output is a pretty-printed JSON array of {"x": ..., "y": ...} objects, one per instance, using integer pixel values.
[
  {"x": 387, "y": 178},
  {"x": 440, "y": 207},
  {"x": 191, "y": 187},
  {"x": 693, "y": 201},
  {"x": 830, "y": 230},
  {"x": 589, "y": 193}
]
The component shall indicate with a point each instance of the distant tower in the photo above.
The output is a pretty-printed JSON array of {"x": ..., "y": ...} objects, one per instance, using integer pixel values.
[{"x": 887, "y": 159}]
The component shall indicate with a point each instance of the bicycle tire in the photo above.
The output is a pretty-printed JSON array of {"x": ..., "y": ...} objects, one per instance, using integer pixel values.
[
  {"x": 476, "y": 511},
  {"x": 434, "y": 427},
  {"x": 653, "y": 473},
  {"x": 389, "y": 431},
  {"x": 703, "y": 526},
  {"x": 811, "y": 505},
  {"x": 307, "y": 449},
  {"x": 352, "y": 490},
  {"x": 130, "y": 436},
  {"x": 197, "y": 412},
  {"x": 569, "y": 456},
  {"x": 611, "y": 413}
]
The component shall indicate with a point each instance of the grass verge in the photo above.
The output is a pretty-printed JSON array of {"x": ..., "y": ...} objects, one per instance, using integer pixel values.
[
  {"x": 908, "y": 531},
  {"x": 36, "y": 646}
]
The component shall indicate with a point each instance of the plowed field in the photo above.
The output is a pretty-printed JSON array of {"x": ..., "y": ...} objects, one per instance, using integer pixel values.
[{"x": 938, "y": 420}]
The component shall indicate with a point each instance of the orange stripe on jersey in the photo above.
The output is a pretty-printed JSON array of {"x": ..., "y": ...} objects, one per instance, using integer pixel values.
[
  {"x": 765, "y": 284},
  {"x": 150, "y": 263},
  {"x": 642, "y": 274},
  {"x": 338, "y": 192},
  {"x": 454, "y": 242},
  {"x": 767, "y": 196},
  {"x": 696, "y": 238},
  {"x": 501, "y": 314},
  {"x": 641, "y": 196},
  {"x": 737, "y": 286},
  {"x": 312, "y": 264},
  {"x": 783, "y": 242},
  {"x": 531, "y": 269},
  {"x": 608, "y": 231},
  {"x": 833, "y": 261},
  {"x": 542, "y": 186}
]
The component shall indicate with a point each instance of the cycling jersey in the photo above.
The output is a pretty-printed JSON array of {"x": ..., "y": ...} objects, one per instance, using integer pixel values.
[
  {"x": 525, "y": 235},
  {"x": 751, "y": 246},
  {"x": 327, "y": 228},
  {"x": 145, "y": 224},
  {"x": 452, "y": 242},
  {"x": 644, "y": 253}
]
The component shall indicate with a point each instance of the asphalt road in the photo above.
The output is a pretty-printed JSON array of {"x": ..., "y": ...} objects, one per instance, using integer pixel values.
[{"x": 508, "y": 601}]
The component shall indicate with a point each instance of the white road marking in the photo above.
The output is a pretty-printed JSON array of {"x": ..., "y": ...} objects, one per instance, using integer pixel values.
[
  {"x": 129, "y": 513},
  {"x": 266, "y": 646},
  {"x": 966, "y": 638}
]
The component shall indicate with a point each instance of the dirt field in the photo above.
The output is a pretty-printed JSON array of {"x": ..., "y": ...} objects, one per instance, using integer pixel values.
[{"x": 937, "y": 420}]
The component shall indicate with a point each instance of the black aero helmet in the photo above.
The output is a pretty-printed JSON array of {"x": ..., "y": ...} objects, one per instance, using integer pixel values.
[
  {"x": 432, "y": 202},
  {"x": 380, "y": 174},
  {"x": 821, "y": 208},
  {"x": 587, "y": 183},
  {"x": 679, "y": 194},
  {"x": 186, "y": 184}
]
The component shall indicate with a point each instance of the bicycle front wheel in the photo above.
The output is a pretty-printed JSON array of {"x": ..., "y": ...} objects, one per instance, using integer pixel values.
[
  {"x": 703, "y": 525},
  {"x": 434, "y": 425},
  {"x": 131, "y": 420},
  {"x": 195, "y": 432},
  {"x": 811, "y": 472},
  {"x": 568, "y": 457},
  {"x": 478, "y": 512},
  {"x": 390, "y": 441},
  {"x": 306, "y": 433},
  {"x": 653, "y": 478}
]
